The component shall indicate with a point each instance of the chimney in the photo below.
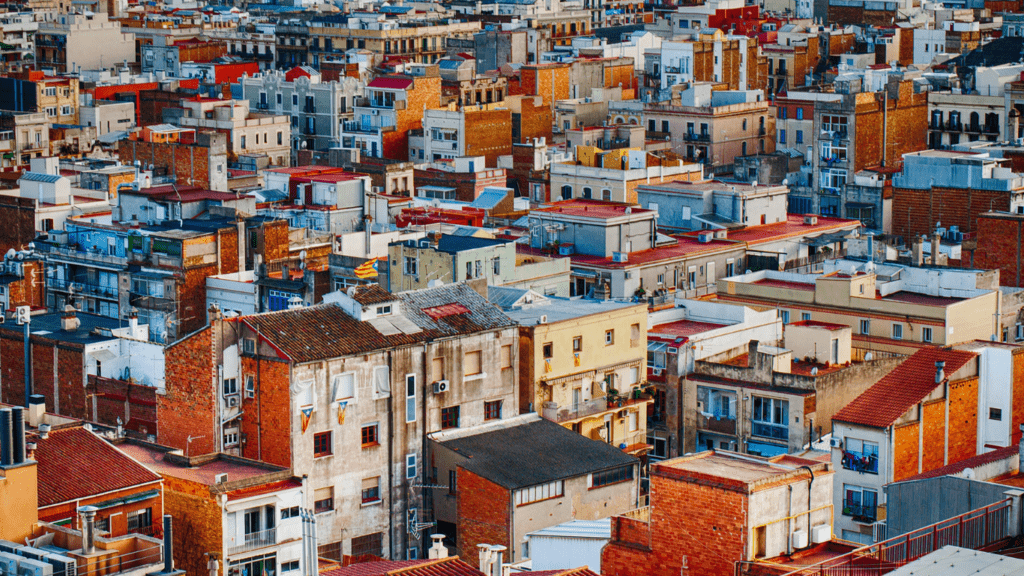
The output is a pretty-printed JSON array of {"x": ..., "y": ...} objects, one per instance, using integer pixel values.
[
  {"x": 497, "y": 560},
  {"x": 36, "y": 410},
  {"x": 485, "y": 558},
  {"x": 17, "y": 435},
  {"x": 940, "y": 371},
  {"x": 752, "y": 353},
  {"x": 5, "y": 437},
  {"x": 285, "y": 274},
  {"x": 133, "y": 320},
  {"x": 936, "y": 242},
  {"x": 69, "y": 321},
  {"x": 88, "y": 526},
  {"x": 438, "y": 550}
]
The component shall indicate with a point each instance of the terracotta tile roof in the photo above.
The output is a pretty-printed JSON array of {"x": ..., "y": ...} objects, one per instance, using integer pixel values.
[
  {"x": 908, "y": 384},
  {"x": 444, "y": 310},
  {"x": 74, "y": 463},
  {"x": 972, "y": 462},
  {"x": 451, "y": 566},
  {"x": 372, "y": 294},
  {"x": 583, "y": 571},
  {"x": 391, "y": 83},
  {"x": 264, "y": 489}
]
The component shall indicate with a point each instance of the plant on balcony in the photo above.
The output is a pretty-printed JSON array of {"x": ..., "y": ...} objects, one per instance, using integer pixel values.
[{"x": 612, "y": 396}]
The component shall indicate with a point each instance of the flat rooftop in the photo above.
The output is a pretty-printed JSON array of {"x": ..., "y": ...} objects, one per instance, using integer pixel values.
[
  {"x": 734, "y": 467},
  {"x": 156, "y": 459}
]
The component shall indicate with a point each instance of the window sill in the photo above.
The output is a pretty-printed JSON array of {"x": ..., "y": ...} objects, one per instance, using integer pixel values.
[
  {"x": 371, "y": 502},
  {"x": 473, "y": 377},
  {"x": 324, "y": 512},
  {"x": 370, "y": 445},
  {"x": 321, "y": 456}
]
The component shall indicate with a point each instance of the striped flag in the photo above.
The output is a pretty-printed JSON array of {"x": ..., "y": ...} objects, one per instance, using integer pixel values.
[{"x": 368, "y": 269}]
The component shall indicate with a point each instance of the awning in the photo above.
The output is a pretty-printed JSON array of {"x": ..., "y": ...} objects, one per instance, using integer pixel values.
[
  {"x": 128, "y": 499},
  {"x": 639, "y": 448},
  {"x": 103, "y": 355}
]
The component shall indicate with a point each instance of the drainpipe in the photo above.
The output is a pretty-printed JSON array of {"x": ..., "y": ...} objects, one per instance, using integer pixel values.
[
  {"x": 810, "y": 485},
  {"x": 391, "y": 458}
]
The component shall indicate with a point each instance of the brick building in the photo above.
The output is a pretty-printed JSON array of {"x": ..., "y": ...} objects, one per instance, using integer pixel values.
[
  {"x": 507, "y": 479},
  {"x": 479, "y": 130},
  {"x": 362, "y": 378},
  {"x": 201, "y": 163},
  {"x": 468, "y": 182},
  {"x": 937, "y": 408},
  {"x": 22, "y": 281},
  {"x": 948, "y": 189},
  {"x": 713, "y": 509},
  {"x": 998, "y": 244},
  {"x": 393, "y": 105}
]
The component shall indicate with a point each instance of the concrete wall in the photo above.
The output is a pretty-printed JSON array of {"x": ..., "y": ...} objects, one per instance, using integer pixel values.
[{"x": 911, "y": 505}]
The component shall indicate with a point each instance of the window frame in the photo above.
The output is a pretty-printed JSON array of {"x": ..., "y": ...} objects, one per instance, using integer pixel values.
[{"x": 318, "y": 439}]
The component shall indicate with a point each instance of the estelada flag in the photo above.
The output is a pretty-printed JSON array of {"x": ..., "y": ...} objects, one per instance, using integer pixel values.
[
  {"x": 305, "y": 414},
  {"x": 368, "y": 269}
]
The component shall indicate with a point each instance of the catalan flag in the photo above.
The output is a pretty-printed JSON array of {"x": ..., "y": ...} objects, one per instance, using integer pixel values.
[{"x": 368, "y": 269}]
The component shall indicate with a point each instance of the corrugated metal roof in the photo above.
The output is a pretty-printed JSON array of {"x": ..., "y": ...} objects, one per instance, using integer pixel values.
[
  {"x": 40, "y": 177},
  {"x": 601, "y": 529},
  {"x": 955, "y": 561},
  {"x": 490, "y": 197}
]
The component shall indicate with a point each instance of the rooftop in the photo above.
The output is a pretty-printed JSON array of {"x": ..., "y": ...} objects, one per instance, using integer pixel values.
[
  {"x": 955, "y": 561},
  {"x": 49, "y": 326},
  {"x": 557, "y": 309},
  {"x": 899, "y": 390},
  {"x": 203, "y": 470},
  {"x": 735, "y": 469},
  {"x": 498, "y": 452},
  {"x": 451, "y": 566},
  {"x": 591, "y": 208},
  {"x": 684, "y": 328},
  {"x": 819, "y": 324}
]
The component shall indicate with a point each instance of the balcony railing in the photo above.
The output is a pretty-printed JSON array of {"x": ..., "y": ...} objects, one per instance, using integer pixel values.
[
  {"x": 860, "y": 462},
  {"x": 255, "y": 540},
  {"x": 716, "y": 424},
  {"x": 858, "y": 510},
  {"x": 82, "y": 255},
  {"x": 769, "y": 430},
  {"x": 697, "y": 137},
  {"x": 65, "y": 285}
]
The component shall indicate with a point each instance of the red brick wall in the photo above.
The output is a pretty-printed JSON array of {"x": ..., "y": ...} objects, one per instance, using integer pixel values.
[
  {"x": 716, "y": 513},
  {"x": 424, "y": 94},
  {"x": 489, "y": 134},
  {"x": 187, "y": 162},
  {"x": 189, "y": 406},
  {"x": 917, "y": 212},
  {"x": 535, "y": 120},
  {"x": 483, "y": 514},
  {"x": 1017, "y": 412},
  {"x": 29, "y": 291},
  {"x": 269, "y": 410},
  {"x": 906, "y": 452},
  {"x": 963, "y": 419},
  {"x": 197, "y": 525},
  {"x": 934, "y": 444},
  {"x": 550, "y": 82},
  {"x": 999, "y": 242},
  {"x": 275, "y": 241},
  {"x": 67, "y": 381},
  {"x": 17, "y": 222},
  {"x": 134, "y": 404},
  {"x": 907, "y": 120}
]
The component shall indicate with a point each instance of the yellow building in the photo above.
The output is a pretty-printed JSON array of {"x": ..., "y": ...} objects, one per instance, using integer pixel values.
[
  {"x": 894, "y": 309},
  {"x": 582, "y": 363}
]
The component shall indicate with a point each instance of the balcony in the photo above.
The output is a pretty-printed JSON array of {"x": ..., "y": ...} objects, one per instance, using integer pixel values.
[
  {"x": 863, "y": 462},
  {"x": 590, "y": 408},
  {"x": 163, "y": 303},
  {"x": 255, "y": 540},
  {"x": 361, "y": 128},
  {"x": 770, "y": 430},
  {"x": 860, "y": 511},
  {"x": 69, "y": 254},
  {"x": 83, "y": 288},
  {"x": 716, "y": 424},
  {"x": 695, "y": 137}
]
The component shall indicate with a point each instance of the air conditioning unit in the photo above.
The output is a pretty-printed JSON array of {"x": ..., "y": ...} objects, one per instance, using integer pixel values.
[
  {"x": 441, "y": 386},
  {"x": 705, "y": 237},
  {"x": 821, "y": 533},
  {"x": 232, "y": 401},
  {"x": 9, "y": 547},
  {"x": 810, "y": 220},
  {"x": 8, "y": 564},
  {"x": 62, "y": 565},
  {"x": 656, "y": 371},
  {"x": 30, "y": 567},
  {"x": 836, "y": 443},
  {"x": 799, "y": 539},
  {"x": 220, "y": 478},
  {"x": 620, "y": 257}
]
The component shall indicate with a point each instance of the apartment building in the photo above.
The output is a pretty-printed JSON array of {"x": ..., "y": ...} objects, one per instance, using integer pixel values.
[
  {"x": 18, "y": 29},
  {"x": 615, "y": 175},
  {"x": 891, "y": 308},
  {"x": 949, "y": 189},
  {"x": 713, "y": 127},
  {"x": 248, "y": 132},
  {"x": 316, "y": 108},
  {"x": 72, "y": 42},
  {"x": 953, "y": 118},
  {"x": 744, "y": 522},
  {"x": 202, "y": 161},
  {"x": 483, "y": 130},
  {"x": 708, "y": 55},
  {"x": 386, "y": 371},
  {"x": 56, "y": 97},
  {"x": 791, "y": 60},
  {"x": 714, "y": 205},
  {"x": 391, "y": 108}
]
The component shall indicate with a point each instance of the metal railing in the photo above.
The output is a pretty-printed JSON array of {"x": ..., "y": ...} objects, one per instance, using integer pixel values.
[
  {"x": 973, "y": 530},
  {"x": 860, "y": 462},
  {"x": 82, "y": 255},
  {"x": 768, "y": 430},
  {"x": 256, "y": 540},
  {"x": 860, "y": 510},
  {"x": 109, "y": 292},
  {"x": 716, "y": 424}
]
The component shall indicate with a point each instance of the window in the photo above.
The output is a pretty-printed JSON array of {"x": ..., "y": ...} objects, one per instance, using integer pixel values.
[
  {"x": 452, "y": 482},
  {"x": 471, "y": 363},
  {"x": 243, "y": 142},
  {"x": 805, "y": 316},
  {"x": 371, "y": 490},
  {"x": 782, "y": 137},
  {"x": 548, "y": 350},
  {"x": 323, "y": 500},
  {"x": 577, "y": 344},
  {"x": 613, "y": 476},
  {"x": 609, "y": 337},
  {"x": 799, "y": 113},
  {"x": 287, "y": 513},
  {"x": 506, "y": 356},
  {"x": 865, "y": 326},
  {"x": 369, "y": 545},
  {"x": 66, "y": 110},
  {"x": 784, "y": 314},
  {"x": 860, "y": 502},
  {"x": 411, "y": 265},
  {"x": 290, "y": 566},
  {"x": 368, "y": 435},
  {"x": 497, "y": 265},
  {"x": 230, "y": 386},
  {"x": 770, "y": 418},
  {"x": 897, "y": 331},
  {"x": 926, "y": 334},
  {"x": 540, "y": 492},
  {"x": 799, "y": 136},
  {"x": 656, "y": 354},
  {"x": 322, "y": 444},
  {"x": 410, "y": 466},
  {"x": 450, "y": 417},
  {"x": 231, "y": 437},
  {"x": 860, "y": 455},
  {"x": 492, "y": 410},
  {"x": 280, "y": 139},
  {"x": 410, "y": 397},
  {"x": 344, "y": 386},
  {"x": 995, "y": 414},
  {"x": 139, "y": 519},
  {"x": 469, "y": 270},
  {"x": 833, "y": 123}
]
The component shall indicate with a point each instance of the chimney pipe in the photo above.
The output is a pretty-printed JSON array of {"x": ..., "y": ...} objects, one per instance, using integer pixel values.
[
  {"x": 485, "y": 558},
  {"x": 5, "y": 437},
  {"x": 88, "y": 518},
  {"x": 285, "y": 275},
  {"x": 17, "y": 435},
  {"x": 752, "y": 353},
  {"x": 497, "y": 559},
  {"x": 36, "y": 410},
  {"x": 438, "y": 549},
  {"x": 168, "y": 545},
  {"x": 940, "y": 371},
  {"x": 936, "y": 242}
]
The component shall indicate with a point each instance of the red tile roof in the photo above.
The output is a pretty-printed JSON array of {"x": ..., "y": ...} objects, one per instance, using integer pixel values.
[
  {"x": 684, "y": 328},
  {"x": 592, "y": 208},
  {"x": 584, "y": 571},
  {"x": 819, "y": 324},
  {"x": 972, "y": 462},
  {"x": 444, "y": 310},
  {"x": 924, "y": 299},
  {"x": 793, "y": 226},
  {"x": 391, "y": 83},
  {"x": 264, "y": 489},
  {"x": 908, "y": 384},
  {"x": 451, "y": 566},
  {"x": 74, "y": 463}
]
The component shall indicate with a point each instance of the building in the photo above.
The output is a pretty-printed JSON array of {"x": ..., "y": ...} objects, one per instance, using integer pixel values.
[
  {"x": 947, "y": 189},
  {"x": 202, "y": 162},
  {"x": 316, "y": 107},
  {"x": 483, "y": 130},
  {"x": 491, "y": 497},
  {"x": 682, "y": 531},
  {"x": 615, "y": 175},
  {"x": 385, "y": 371},
  {"x": 21, "y": 281},
  {"x": 243, "y": 128},
  {"x": 998, "y": 246},
  {"x": 57, "y": 97},
  {"x": 708, "y": 55},
  {"x": 391, "y": 107},
  {"x": 246, "y": 513},
  {"x": 900, "y": 308},
  {"x": 714, "y": 205},
  {"x": 577, "y": 366},
  {"x": 713, "y": 127},
  {"x": 19, "y": 28},
  {"x": 792, "y": 59},
  {"x": 24, "y": 135},
  {"x": 72, "y": 42}
]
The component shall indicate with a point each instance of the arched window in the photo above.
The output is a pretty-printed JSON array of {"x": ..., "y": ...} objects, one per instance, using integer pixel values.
[{"x": 566, "y": 192}]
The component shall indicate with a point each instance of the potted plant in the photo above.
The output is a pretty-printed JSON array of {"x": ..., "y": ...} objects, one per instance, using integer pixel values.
[{"x": 613, "y": 396}]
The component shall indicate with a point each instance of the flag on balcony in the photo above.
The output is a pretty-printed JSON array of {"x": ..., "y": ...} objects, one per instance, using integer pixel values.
[
  {"x": 547, "y": 365},
  {"x": 341, "y": 411},
  {"x": 368, "y": 269},
  {"x": 576, "y": 359},
  {"x": 304, "y": 415}
]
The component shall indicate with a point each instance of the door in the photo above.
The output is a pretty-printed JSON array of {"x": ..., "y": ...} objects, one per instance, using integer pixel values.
[
  {"x": 711, "y": 273},
  {"x": 760, "y": 542},
  {"x": 835, "y": 351}
]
